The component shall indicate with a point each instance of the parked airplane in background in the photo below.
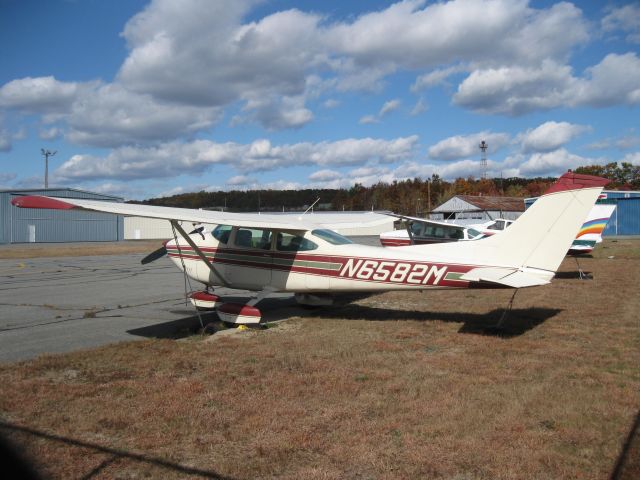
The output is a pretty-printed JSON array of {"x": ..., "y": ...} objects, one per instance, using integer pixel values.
[
  {"x": 424, "y": 230},
  {"x": 266, "y": 253},
  {"x": 590, "y": 233}
]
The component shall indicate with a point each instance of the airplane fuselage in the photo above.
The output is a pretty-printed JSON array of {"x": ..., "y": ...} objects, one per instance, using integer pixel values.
[{"x": 325, "y": 268}]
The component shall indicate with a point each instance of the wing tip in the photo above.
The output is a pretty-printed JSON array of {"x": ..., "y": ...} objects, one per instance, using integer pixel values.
[{"x": 37, "y": 201}]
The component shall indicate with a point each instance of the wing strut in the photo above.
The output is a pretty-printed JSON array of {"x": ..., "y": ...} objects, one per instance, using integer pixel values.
[
  {"x": 202, "y": 256},
  {"x": 409, "y": 225}
]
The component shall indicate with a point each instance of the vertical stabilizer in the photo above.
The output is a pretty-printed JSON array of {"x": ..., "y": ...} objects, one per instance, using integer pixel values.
[{"x": 542, "y": 235}]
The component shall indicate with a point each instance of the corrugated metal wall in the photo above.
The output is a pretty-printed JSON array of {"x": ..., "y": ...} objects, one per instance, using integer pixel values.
[
  {"x": 25, "y": 225},
  {"x": 625, "y": 219}
]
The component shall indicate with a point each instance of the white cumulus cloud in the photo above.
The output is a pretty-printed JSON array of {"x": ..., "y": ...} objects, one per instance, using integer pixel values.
[
  {"x": 194, "y": 157},
  {"x": 550, "y": 136}
]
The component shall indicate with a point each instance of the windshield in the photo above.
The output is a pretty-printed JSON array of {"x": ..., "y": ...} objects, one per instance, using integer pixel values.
[
  {"x": 473, "y": 233},
  {"x": 331, "y": 237},
  {"x": 221, "y": 233}
]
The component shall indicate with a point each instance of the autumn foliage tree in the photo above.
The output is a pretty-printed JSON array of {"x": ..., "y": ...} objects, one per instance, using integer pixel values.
[{"x": 408, "y": 197}]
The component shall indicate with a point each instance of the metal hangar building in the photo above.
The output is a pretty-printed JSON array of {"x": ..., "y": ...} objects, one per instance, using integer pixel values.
[
  {"x": 26, "y": 225},
  {"x": 478, "y": 209},
  {"x": 625, "y": 219}
]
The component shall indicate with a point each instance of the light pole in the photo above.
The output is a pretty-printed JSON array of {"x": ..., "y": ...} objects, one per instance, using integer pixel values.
[{"x": 46, "y": 154}]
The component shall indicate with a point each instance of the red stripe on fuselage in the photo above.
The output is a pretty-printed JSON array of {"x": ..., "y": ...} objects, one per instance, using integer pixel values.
[{"x": 378, "y": 270}]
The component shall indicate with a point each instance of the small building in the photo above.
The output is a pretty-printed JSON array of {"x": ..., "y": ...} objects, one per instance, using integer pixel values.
[
  {"x": 27, "y": 225},
  {"x": 478, "y": 209},
  {"x": 141, "y": 228},
  {"x": 625, "y": 219}
]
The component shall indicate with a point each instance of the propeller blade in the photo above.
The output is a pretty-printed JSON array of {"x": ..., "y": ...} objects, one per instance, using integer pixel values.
[{"x": 153, "y": 256}]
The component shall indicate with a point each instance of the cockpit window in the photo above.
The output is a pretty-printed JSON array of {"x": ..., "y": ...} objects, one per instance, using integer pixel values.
[
  {"x": 288, "y": 242},
  {"x": 331, "y": 237},
  {"x": 221, "y": 233}
]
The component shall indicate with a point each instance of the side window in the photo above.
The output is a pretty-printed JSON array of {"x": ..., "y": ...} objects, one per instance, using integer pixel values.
[
  {"x": 221, "y": 233},
  {"x": 253, "y": 238},
  {"x": 287, "y": 242},
  {"x": 416, "y": 228},
  {"x": 454, "y": 233}
]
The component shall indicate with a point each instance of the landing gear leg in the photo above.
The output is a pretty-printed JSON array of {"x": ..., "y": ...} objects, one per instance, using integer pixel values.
[
  {"x": 506, "y": 312},
  {"x": 583, "y": 276}
]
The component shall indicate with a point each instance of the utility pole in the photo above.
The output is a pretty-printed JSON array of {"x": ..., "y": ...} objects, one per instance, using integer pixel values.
[{"x": 46, "y": 154}]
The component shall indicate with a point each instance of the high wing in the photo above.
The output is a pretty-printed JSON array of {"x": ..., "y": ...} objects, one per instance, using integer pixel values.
[
  {"x": 425, "y": 220},
  {"x": 250, "y": 220}
]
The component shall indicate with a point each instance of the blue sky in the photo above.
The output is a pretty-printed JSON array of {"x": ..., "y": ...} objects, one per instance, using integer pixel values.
[{"x": 148, "y": 98}]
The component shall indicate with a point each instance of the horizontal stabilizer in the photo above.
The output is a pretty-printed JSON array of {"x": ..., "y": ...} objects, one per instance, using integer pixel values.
[{"x": 508, "y": 277}]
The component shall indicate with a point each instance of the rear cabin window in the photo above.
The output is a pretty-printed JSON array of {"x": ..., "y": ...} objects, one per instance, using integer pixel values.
[
  {"x": 288, "y": 242},
  {"x": 253, "y": 238},
  {"x": 331, "y": 237},
  {"x": 221, "y": 233}
]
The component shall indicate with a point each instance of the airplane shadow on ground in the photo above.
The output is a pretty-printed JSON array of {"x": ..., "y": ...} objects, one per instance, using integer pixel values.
[
  {"x": 175, "y": 329},
  {"x": 517, "y": 322},
  {"x": 572, "y": 275}
]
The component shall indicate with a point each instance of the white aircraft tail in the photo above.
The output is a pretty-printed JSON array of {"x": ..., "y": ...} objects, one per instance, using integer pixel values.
[
  {"x": 539, "y": 240},
  {"x": 542, "y": 235}
]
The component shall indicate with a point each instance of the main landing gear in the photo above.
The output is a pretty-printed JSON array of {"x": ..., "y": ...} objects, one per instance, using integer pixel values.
[{"x": 229, "y": 312}]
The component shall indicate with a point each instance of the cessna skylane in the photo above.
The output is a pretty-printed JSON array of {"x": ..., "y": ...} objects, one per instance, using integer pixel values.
[
  {"x": 421, "y": 231},
  {"x": 269, "y": 253}
]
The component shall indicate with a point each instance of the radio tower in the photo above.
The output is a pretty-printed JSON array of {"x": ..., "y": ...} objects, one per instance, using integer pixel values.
[{"x": 483, "y": 159}]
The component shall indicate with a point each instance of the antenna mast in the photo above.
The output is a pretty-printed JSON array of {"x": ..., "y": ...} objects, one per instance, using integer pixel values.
[{"x": 483, "y": 159}]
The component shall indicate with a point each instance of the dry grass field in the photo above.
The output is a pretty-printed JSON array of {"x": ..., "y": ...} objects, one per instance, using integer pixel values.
[
  {"x": 36, "y": 250},
  {"x": 399, "y": 385}
]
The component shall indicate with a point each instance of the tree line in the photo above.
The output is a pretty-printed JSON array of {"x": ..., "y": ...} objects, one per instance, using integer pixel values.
[{"x": 407, "y": 197}]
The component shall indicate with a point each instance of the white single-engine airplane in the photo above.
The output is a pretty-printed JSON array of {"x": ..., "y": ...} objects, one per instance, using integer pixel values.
[
  {"x": 270, "y": 254},
  {"x": 424, "y": 231}
]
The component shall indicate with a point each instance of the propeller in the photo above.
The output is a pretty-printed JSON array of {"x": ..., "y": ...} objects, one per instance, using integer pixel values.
[
  {"x": 155, "y": 255},
  {"x": 162, "y": 251}
]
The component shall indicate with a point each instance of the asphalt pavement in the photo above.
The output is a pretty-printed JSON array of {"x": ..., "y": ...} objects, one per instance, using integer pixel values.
[{"x": 54, "y": 305}]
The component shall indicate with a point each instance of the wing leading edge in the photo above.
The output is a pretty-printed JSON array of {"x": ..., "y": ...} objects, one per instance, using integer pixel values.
[{"x": 250, "y": 220}]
